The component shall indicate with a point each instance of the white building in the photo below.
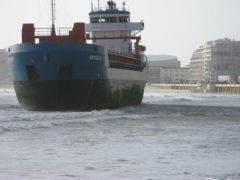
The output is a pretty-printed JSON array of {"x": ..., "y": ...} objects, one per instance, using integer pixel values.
[
  {"x": 215, "y": 60},
  {"x": 196, "y": 66},
  {"x": 165, "y": 69},
  {"x": 5, "y": 76}
]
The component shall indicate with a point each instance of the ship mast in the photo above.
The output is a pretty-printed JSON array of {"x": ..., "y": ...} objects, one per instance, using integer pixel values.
[{"x": 53, "y": 14}]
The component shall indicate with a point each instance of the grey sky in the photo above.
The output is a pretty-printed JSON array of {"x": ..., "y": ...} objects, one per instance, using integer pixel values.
[{"x": 174, "y": 27}]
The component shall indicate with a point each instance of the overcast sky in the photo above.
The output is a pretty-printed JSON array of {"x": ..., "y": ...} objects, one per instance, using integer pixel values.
[{"x": 175, "y": 27}]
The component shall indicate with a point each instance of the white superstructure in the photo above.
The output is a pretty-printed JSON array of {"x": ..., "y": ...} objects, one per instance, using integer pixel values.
[{"x": 112, "y": 29}]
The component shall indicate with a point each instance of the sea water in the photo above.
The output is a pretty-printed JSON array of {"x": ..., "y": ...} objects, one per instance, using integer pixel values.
[{"x": 171, "y": 136}]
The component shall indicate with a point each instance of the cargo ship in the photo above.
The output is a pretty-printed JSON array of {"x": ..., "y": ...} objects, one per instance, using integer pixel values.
[{"x": 99, "y": 65}]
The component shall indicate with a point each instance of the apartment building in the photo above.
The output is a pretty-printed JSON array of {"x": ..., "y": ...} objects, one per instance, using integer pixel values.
[{"x": 215, "y": 59}]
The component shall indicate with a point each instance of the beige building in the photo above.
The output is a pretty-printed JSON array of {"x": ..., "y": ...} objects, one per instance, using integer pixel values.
[
  {"x": 165, "y": 69},
  {"x": 215, "y": 59}
]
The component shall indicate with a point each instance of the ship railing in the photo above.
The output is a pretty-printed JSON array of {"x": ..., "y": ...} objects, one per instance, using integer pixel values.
[
  {"x": 131, "y": 54},
  {"x": 63, "y": 31},
  {"x": 132, "y": 59}
]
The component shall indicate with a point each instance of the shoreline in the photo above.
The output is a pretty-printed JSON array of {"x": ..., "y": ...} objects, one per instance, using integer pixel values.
[
  {"x": 157, "y": 89},
  {"x": 6, "y": 86},
  {"x": 148, "y": 88}
]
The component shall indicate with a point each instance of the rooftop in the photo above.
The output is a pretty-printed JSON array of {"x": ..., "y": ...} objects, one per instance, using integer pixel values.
[{"x": 101, "y": 12}]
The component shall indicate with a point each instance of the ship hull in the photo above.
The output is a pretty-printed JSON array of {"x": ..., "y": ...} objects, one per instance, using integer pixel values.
[
  {"x": 49, "y": 77},
  {"x": 83, "y": 95}
]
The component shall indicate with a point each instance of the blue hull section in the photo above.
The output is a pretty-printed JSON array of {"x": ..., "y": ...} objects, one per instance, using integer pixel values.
[
  {"x": 86, "y": 61},
  {"x": 68, "y": 76}
]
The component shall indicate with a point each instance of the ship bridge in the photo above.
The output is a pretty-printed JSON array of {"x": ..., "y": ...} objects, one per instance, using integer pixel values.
[
  {"x": 113, "y": 29},
  {"x": 111, "y": 15}
]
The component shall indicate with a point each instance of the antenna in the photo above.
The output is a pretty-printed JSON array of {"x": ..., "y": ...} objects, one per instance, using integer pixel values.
[
  {"x": 53, "y": 7},
  {"x": 98, "y": 5},
  {"x": 91, "y": 5}
]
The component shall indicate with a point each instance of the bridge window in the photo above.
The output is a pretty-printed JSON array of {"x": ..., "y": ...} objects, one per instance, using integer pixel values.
[
  {"x": 111, "y": 19},
  {"x": 95, "y": 20},
  {"x": 123, "y": 19},
  {"x": 104, "y": 20}
]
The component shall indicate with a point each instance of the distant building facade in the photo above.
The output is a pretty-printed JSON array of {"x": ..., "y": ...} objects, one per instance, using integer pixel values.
[
  {"x": 215, "y": 61},
  {"x": 165, "y": 69},
  {"x": 5, "y": 76}
]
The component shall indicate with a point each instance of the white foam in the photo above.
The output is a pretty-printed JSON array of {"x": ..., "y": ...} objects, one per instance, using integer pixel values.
[{"x": 180, "y": 98}]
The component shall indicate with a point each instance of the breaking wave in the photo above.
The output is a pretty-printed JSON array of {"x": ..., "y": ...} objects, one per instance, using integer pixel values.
[
  {"x": 173, "y": 98},
  {"x": 155, "y": 105}
]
